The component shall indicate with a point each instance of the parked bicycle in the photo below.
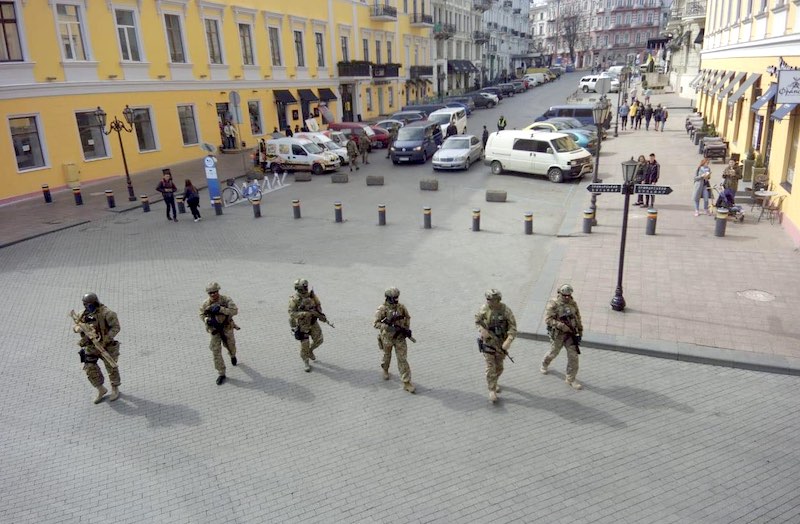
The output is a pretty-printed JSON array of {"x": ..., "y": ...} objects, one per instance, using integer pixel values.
[{"x": 250, "y": 190}]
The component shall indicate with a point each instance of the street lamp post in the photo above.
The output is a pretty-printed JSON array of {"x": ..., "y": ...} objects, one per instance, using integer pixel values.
[
  {"x": 629, "y": 172},
  {"x": 119, "y": 126},
  {"x": 599, "y": 112}
]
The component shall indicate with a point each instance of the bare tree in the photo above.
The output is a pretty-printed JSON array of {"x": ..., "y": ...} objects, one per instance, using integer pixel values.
[{"x": 573, "y": 22}]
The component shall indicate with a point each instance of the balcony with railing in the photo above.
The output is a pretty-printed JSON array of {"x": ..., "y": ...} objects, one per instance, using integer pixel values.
[
  {"x": 386, "y": 70},
  {"x": 481, "y": 5},
  {"x": 514, "y": 32},
  {"x": 443, "y": 31},
  {"x": 508, "y": 4},
  {"x": 516, "y": 10},
  {"x": 354, "y": 69},
  {"x": 383, "y": 12},
  {"x": 480, "y": 37},
  {"x": 418, "y": 71}
]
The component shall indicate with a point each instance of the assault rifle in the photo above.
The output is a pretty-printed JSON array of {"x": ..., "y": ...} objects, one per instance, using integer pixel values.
[
  {"x": 89, "y": 332},
  {"x": 399, "y": 330},
  {"x": 495, "y": 339}
]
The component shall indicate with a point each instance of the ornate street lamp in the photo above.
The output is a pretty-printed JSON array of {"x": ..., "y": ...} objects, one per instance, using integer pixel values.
[
  {"x": 629, "y": 172},
  {"x": 119, "y": 126},
  {"x": 599, "y": 114}
]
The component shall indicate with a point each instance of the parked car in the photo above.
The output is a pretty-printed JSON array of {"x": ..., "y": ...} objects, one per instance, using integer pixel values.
[
  {"x": 466, "y": 100},
  {"x": 577, "y": 124},
  {"x": 569, "y": 69},
  {"x": 416, "y": 141},
  {"x": 480, "y": 101},
  {"x": 428, "y": 108},
  {"x": 519, "y": 86},
  {"x": 357, "y": 128},
  {"x": 336, "y": 136},
  {"x": 299, "y": 154},
  {"x": 495, "y": 91},
  {"x": 443, "y": 117},
  {"x": 389, "y": 124},
  {"x": 381, "y": 137},
  {"x": 459, "y": 105},
  {"x": 458, "y": 152},
  {"x": 492, "y": 98},
  {"x": 583, "y": 139},
  {"x": 582, "y": 112},
  {"x": 507, "y": 89},
  {"x": 325, "y": 142},
  {"x": 555, "y": 155},
  {"x": 534, "y": 79},
  {"x": 409, "y": 116},
  {"x": 589, "y": 83}
]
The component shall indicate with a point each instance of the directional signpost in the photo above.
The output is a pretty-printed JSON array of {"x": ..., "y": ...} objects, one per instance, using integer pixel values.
[
  {"x": 639, "y": 189},
  {"x": 604, "y": 188}
]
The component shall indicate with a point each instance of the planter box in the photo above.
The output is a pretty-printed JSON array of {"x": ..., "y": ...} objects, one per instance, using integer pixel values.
[
  {"x": 747, "y": 170},
  {"x": 496, "y": 195},
  {"x": 302, "y": 176},
  {"x": 374, "y": 180},
  {"x": 429, "y": 184},
  {"x": 340, "y": 178}
]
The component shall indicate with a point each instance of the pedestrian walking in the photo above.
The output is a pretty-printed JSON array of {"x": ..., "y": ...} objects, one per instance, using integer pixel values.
[
  {"x": 288, "y": 131},
  {"x": 647, "y": 94},
  {"x": 485, "y": 137},
  {"x": 702, "y": 187},
  {"x": 731, "y": 176},
  {"x": 261, "y": 155},
  {"x": 632, "y": 114},
  {"x": 657, "y": 116},
  {"x": 648, "y": 115},
  {"x": 563, "y": 320},
  {"x": 394, "y": 322},
  {"x": 392, "y": 139},
  {"x": 98, "y": 326},
  {"x": 167, "y": 189},
  {"x": 192, "y": 197},
  {"x": 452, "y": 130},
  {"x": 638, "y": 178},
  {"x": 624, "y": 110},
  {"x": 352, "y": 153},
  {"x": 651, "y": 174},
  {"x": 305, "y": 312},
  {"x": 363, "y": 148},
  {"x": 498, "y": 329},
  {"x": 217, "y": 313},
  {"x": 664, "y": 116},
  {"x": 230, "y": 135},
  {"x": 501, "y": 123}
]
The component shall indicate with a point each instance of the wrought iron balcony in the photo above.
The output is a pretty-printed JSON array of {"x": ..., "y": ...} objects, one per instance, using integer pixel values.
[
  {"x": 385, "y": 70},
  {"x": 514, "y": 32},
  {"x": 351, "y": 69},
  {"x": 508, "y": 4},
  {"x": 419, "y": 71},
  {"x": 517, "y": 10},
  {"x": 481, "y": 5},
  {"x": 383, "y": 12},
  {"x": 480, "y": 37},
  {"x": 444, "y": 31},
  {"x": 420, "y": 20}
]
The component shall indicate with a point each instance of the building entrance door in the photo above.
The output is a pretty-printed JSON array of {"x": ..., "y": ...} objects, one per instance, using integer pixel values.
[{"x": 347, "y": 102}]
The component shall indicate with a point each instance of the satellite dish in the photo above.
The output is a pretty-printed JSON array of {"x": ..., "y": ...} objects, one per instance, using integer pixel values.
[{"x": 205, "y": 146}]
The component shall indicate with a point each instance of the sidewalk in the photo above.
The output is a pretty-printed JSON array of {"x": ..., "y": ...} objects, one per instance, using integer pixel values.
[{"x": 690, "y": 295}]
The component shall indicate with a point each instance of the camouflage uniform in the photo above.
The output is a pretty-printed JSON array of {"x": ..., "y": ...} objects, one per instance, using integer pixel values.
[
  {"x": 304, "y": 311},
  {"x": 563, "y": 319},
  {"x": 352, "y": 153},
  {"x": 222, "y": 317},
  {"x": 390, "y": 316},
  {"x": 392, "y": 139},
  {"x": 498, "y": 328},
  {"x": 106, "y": 325},
  {"x": 363, "y": 147}
]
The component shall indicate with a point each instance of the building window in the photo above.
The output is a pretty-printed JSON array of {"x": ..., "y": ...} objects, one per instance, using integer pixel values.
[
  {"x": 365, "y": 49},
  {"x": 318, "y": 40},
  {"x": 172, "y": 23},
  {"x": 377, "y": 51},
  {"x": 91, "y": 136},
  {"x": 188, "y": 125},
  {"x": 10, "y": 45},
  {"x": 128, "y": 39},
  {"x": 144, "y": 130},
  {"x": 389, "y": 52},
  {"x": 27, "y": 145},
  {"x": 254, "y": 109},
  {"x": 298, "y": 49},
  {"x": 649, "y": 18},
  {"x": 369, "y": 99},
  {"x": 246, "y": 41},
  {"x": 214, "y": 44},
  {"x": 345, "y": 50},
  {"x": 405, "y": 6},
  {"x": 70, "y": 29},
  {"x": 275, "y": 46}
]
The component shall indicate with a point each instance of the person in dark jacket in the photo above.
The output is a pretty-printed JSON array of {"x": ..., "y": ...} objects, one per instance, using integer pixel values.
[
  {"x": 192, "y": 197},
  {"x": 452, "y": 129},
  {"x": 167, "y": 189},
  {"x": 648, "y": 115},
  {"x": 485, "y": 136},
  {"x": 651, "y": 173}
]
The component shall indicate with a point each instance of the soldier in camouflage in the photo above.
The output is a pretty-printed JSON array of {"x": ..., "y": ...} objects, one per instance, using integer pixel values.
[
  {"x": 394, "y": 323},
  {"x": 564, "y": 325},
  {"x": 106, "y": 326},
  {"x": 305, "y": 311},
  {"x": 217, "y": 314},
  {"x": 498, "y": 329}
]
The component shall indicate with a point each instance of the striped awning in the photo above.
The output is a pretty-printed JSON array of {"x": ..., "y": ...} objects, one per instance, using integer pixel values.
[
  {"x": 722, "y": 79},
  {"x": 765, "y": 98},
  {"x": 782, "y": 111},
  {"x": 731, "y": 85},
  {"x": 697, "y": 78},
  {"x": 752, "y": 79},
  {"x": 708, "y": 88}
]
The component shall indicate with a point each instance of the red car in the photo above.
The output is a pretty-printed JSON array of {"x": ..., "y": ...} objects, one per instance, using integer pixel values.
[{"x": 381, "y": 137}]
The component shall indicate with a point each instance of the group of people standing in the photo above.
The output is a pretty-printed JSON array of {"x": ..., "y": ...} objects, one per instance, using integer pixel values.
[
  {"x": 638, "y": 111},
  {"x": 647, "y": 172},
  {"x": 191, "y": 196},
  {"x": 702, "y": 184}
]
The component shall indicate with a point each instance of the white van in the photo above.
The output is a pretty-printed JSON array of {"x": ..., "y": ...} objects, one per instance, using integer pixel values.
[
  {"x": 443, "y": 117},
  {"x": 534, "y": 79},
  {"x": 537, "y": 152},
  {"x": 299, "y": 154},
  {"x": 325, "y": 142}
]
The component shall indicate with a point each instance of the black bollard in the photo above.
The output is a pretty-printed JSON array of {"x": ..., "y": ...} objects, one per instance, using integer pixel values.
[
  {"x": 217, "y": 203},
  {"x": 722, "y": 222},
  {"x": 256, "y": 208},
  {"x": 76, "y": 193},
  {"x": 476, "y": 219},
  {"x": 110, "y": 199},
  {"x": 337, "y": 211},
  {"x": 296, "y": 208},
  {"x": 588, "y": 217},
  {"x": 529, "y": 223},
  {"x": 382, "y": 214},
  {"x": 46, "y": 192},
  {"x": 652, "y": 218},
  {"x": 426, "y": 217},
  {"x": 145, "y": 203},
  {"x": 181, "y": 205}
]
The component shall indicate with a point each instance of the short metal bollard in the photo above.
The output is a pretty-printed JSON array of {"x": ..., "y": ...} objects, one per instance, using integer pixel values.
[
  {"x": 296, "y": 208},
  {"x": 76, "y": 194},
  {"x": 476, "y": 219},
  {"x": 652, "y": 218},
  {"x": 217, "y": 203},
  {"x": 528, "y": 223},
  {"x": 48, "y": 198},
  {"x": 588, "y": 217},
  {"x": 337, "y": 211},
  {"x": 110, "y": 199},
  {"x": 256, "y": 207},
  {"x": 382, "y": 214},
  {"x": 722, "y": 222},
  {"x": 145, "y": 203},
  {"x": 181, "y": 205},
  {"x": 426, "y": 217}
]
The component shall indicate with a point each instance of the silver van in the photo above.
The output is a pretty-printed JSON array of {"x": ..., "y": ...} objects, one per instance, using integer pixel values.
[{"x": 555, "y": 155}]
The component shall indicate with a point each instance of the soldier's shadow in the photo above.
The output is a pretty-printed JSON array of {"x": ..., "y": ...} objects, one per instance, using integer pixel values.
[
  {"x": 566, "y": 408},
  {"x": 459, "y": 400},
  {"x": 272, "y": 386},
  {"x": 358, "y": 378},
  {"x": 156, "y": 414},
  {"x": 643, "y": 398}
]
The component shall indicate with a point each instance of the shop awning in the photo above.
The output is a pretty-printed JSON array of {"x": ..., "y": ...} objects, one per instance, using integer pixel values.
[
  {"x": 702, "y": 80},
  {"x": 473, "y": 67},
  {"x": 722, "y": 79},
  {"x": 710, "y": 78},
  {"x": 699, "y": 38},
  {"x": 765, "y": 98},
  {"x": 696, "y": 79},
  {"x": 731, "y": 85},
  {"x": 712, "y": 82},
  {"x": 326, "y": 94},
  {"x": 782, "y": 111},
  {"x": 285, "y": 97},
  {"x": 752, "y": 79},
  {"x": 307, "y": 95},
  {"x": 455, "y": 66}
]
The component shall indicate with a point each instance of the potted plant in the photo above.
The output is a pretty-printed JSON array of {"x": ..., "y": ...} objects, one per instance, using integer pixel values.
[
  {"x": 747, "y": 169},
  {"x": 758, "y": 166},
  {"x": 702, "y": 132}
]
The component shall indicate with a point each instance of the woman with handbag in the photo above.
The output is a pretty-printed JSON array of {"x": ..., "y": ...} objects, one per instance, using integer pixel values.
[
  {"x": 701, "y": 187},
  {"x": 192, "y": 197}
]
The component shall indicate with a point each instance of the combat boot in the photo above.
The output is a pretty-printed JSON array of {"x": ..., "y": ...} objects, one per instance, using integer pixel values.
[
  {"x": 312, "y": 356},
  {"x": 220, "y": 380},
  {"x": 408, "y": 386},
  {"x": 114, "y": 393},
  {"x": 306, "y": 366},
  {"x": 497, "y": 388},
  {"x": 101, "y": 391},
  {"x": 492, "y": 396},
  {"x": 543, "y": 370},
  {"x": 574, "y": 384},
  {"x": 385, "y": 374},
  {"x": 234, "y": 361}
]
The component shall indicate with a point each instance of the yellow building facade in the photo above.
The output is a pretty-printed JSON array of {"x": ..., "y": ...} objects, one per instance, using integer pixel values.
[
  {"x": 745, "y": 45},
  {"x": 185, "y": 68}
]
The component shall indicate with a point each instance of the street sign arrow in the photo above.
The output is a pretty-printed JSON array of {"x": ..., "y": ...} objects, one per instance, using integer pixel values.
[
  {"x": 646, "y": 189},
  {"x": 604, "y": 188}
]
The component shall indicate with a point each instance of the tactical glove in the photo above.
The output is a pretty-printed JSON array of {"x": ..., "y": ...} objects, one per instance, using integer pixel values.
[
  {"x": 215, "y": 309},
  {"x": 507, "y": 344}
]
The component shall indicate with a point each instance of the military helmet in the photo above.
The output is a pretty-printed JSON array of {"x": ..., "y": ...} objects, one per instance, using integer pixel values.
[
  {"x": 494, "y": 294},
  {"x": 301, "y": 284},
  {"x": 565, "y": 290},
  {"x": 90, "y": 298},
  {"x": 213, "y": 287},
  {"x": 392, "y": 292}
]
